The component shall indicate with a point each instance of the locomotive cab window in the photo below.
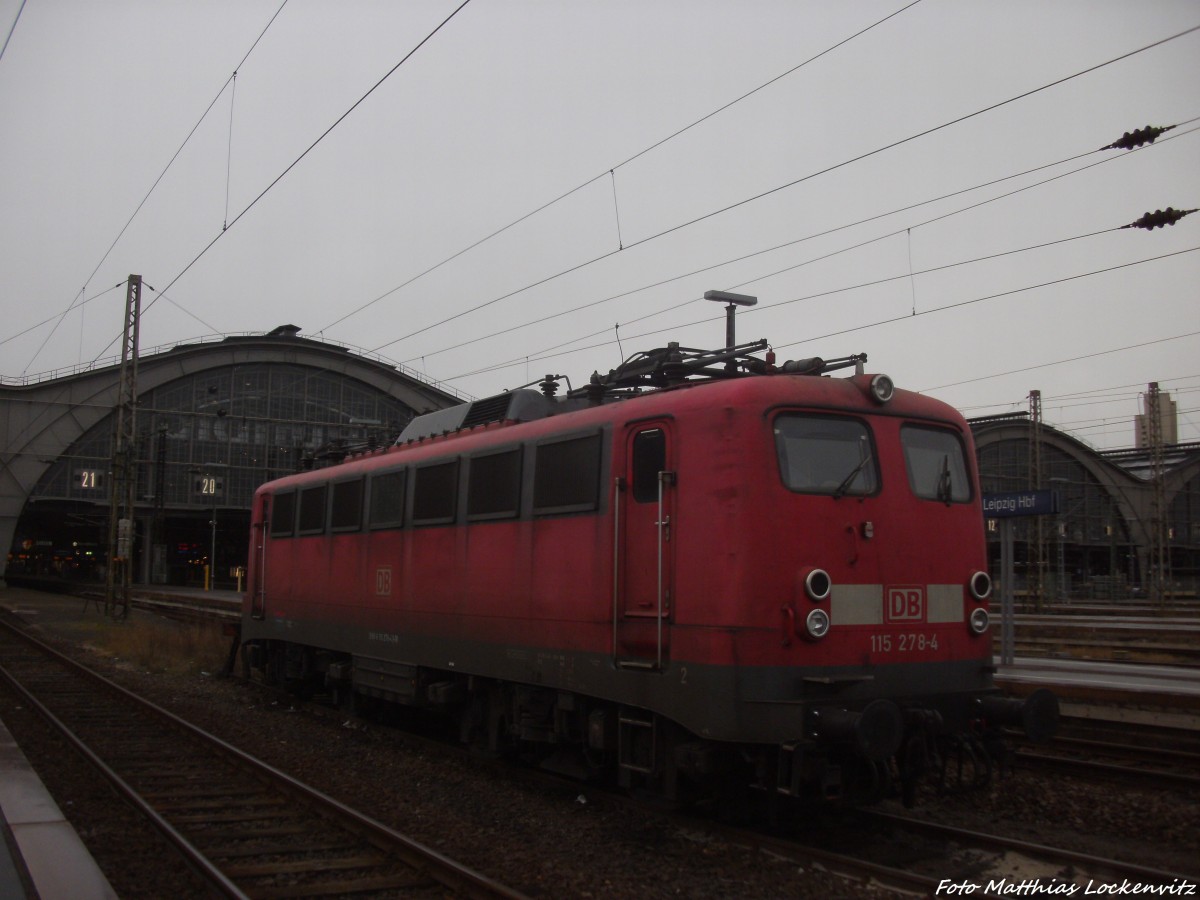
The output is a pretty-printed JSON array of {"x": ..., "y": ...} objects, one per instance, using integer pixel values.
[
  {"x": 387, "y": 500},
  {"x": 826, "y": 455},
  {"x": 346, "y": 510},
  {"x": 283, "y": 514},
  {"x": 937, "y": 466},
  {"x": 649, "y": 458},
  {"x": 494, "y": 486},
  {"x": 312, "y": 510},
  {"x": 435, "y": 493}
]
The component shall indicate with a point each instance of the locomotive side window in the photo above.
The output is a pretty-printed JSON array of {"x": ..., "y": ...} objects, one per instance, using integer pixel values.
[
  {"x": 566, "y": 476},
  {"x": 312, "y": 510},
  {"x": 937, "y": 467},
  {"x": 283, "y": 516},
  {"x": 435, "y": 493},
  {"x": 649, "y": 458},
  {"x": 826, "y": 455},
  {"x": 346, "y": 511},
  {"x": 494, "y": 486},
  {"x": 387, "y": 500}
]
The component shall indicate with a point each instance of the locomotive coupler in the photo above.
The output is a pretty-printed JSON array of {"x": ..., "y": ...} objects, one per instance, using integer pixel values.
[
  {"x": 875, "y": 732},
  {"x": 1036, "y": 715}
]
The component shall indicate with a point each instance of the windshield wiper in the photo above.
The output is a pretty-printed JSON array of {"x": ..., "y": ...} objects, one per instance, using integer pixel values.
[
  {"x": 945, "y": 488},
  {"x": 849, "y": 479}
]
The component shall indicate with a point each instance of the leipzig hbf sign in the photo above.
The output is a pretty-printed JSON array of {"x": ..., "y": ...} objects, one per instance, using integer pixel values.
[{"x": 1020, "y": 503}]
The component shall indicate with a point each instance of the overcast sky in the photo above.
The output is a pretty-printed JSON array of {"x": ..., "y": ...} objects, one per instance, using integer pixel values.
[{"x": 831, "y": 194}]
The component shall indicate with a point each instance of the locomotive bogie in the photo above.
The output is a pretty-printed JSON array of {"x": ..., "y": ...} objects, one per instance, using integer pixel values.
[{"x": 777, "y": 576}]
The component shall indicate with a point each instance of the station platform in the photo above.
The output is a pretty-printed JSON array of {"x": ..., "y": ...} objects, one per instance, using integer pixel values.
[
  {"x": 1112, "y": 691},
  {"x": 41, "y": 855}
]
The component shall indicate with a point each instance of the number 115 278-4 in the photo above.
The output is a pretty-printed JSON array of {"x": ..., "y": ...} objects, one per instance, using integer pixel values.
[{"x": 903, "y": 643}]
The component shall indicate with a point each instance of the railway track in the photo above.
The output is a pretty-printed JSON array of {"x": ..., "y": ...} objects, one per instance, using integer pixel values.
[
  {"x": 1147, "y": 756},
  {"x": 906, "y": 855},
  {"x": 247, "y": 829},
  {"x": 996, "y": 853}
]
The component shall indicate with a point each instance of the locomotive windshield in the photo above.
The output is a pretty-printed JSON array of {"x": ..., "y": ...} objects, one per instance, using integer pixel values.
[
  {"x": 937, "y": 469},
  {"x": 825, "y": 455}
]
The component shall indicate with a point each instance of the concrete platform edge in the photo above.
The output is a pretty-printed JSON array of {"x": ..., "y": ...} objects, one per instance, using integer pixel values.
[{"x": 54, "y": 856}]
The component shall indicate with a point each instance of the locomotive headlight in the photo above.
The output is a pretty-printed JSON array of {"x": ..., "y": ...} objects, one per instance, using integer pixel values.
[
  {"x": 882, "y": 389},
  {"x": 980, "y": 585},
  {"x": 817, "y": 585},
  {"x": 817, "y": 624},
  {"x": 979, "y": 620}
]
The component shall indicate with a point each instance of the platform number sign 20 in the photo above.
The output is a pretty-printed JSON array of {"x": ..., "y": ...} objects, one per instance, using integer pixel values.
[{"x": 209, "y": 486}]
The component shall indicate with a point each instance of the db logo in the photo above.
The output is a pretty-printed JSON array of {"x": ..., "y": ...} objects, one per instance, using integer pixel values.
[
  {"x": 383, "y": 581},
  {"x": 906, "y": 604}
]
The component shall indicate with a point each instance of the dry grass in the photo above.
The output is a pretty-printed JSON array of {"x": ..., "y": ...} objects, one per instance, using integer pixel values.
[{"x": 167, "y": 647}]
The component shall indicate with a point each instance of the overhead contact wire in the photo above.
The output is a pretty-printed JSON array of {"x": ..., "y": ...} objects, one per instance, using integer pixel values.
[
  {"x": 609, "y": 171},
  {"x": 841, "y": 290},
  {"x": 171, "y": 162},
  {"x": 12, "y": 28},
  {"x": 888, "y": 321},
  {"x": 1174, "y": 337},
  {"x": 162, "y": 174},
  {"x": 314, "y": 144},
  {"x": 824, "y": 233},
  {"x": 717, "y": 212}
]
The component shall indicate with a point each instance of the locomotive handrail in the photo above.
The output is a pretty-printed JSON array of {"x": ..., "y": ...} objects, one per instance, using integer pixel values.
[
  {"x": 663, "y": 523},
  {"x": 618, "y": 486}
]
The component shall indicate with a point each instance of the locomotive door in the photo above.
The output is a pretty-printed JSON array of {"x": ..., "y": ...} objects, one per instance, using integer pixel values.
[
  {"x": 258, "y": 598},
  {"x": 645, "y": 563}
]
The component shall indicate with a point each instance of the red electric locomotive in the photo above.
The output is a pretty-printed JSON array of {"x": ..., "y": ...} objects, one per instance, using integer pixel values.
[{"x": 699, "y": 568}]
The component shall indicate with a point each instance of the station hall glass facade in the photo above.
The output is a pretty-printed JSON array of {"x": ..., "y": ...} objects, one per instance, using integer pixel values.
[
  {"x": 205, "y": 441},
  {"x": 1100, "y": 544}
]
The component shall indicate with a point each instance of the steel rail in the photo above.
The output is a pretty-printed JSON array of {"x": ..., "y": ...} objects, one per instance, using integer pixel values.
[
  {"x": 194, "y": 858},
  {"x": 1042, "y": 851},
  {"x": 849, "y": 867},
  {"x": 1070, "y": 765},
  {"x": 457, "y": 877}
]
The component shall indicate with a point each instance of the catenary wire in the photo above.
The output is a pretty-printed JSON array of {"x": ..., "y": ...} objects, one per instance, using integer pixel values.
[
  {"x": 610, "y": 171},
  {"x": 297, "y": 160},
  {"x": 905, "y": 317},
  {"x": 35, "y": 327},
  {"x": 12, "y": 28},
  {"x": 857, "y": 246},
  {"x": 717, "y": 212},
  {"x": 314, "y": 144},
  {"x": 833, "y": 291},
  {"x": 1059, "y": 362},
  {"x": 1120, "y": 387},
  {"x": 155, "y": 185},
  {"x": 186, "y": 140},
  {"x": 995, "y": 296},
  {"x": 664, "y": 281},
  {"x": 825, "y": 233}
]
